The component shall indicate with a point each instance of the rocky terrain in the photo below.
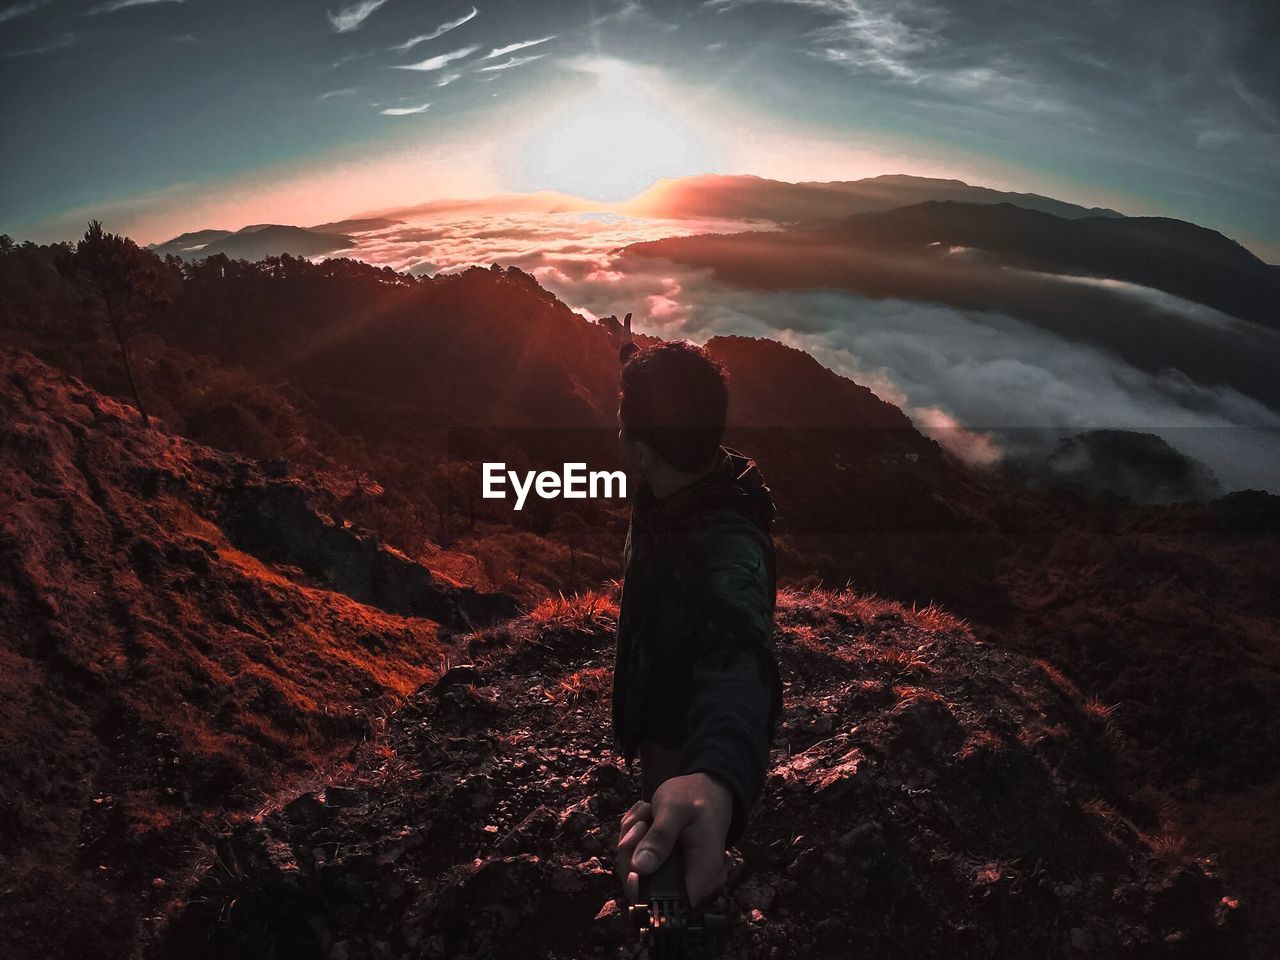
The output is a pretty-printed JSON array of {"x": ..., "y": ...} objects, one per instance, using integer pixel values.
[{"x": 930, "y": 796}]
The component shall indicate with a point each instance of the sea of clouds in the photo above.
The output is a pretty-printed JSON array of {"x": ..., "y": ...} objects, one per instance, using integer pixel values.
[{"x": 984, "y": 384}]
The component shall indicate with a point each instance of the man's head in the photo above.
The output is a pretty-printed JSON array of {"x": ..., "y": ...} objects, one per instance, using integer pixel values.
[{"x": 672, "y": 407}]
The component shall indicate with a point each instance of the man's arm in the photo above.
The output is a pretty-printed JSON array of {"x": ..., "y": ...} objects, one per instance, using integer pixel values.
[
  {"x": 729, "y": 738},
  {"x": 729, "y": 715},
  {"x": 725, "y": 757}
]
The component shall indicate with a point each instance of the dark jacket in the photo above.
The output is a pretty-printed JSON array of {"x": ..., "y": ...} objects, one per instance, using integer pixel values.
[{"x": 696, "y": 670}]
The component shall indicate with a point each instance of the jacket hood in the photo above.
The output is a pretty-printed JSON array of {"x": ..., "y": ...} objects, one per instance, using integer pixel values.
[{"x": 735, "y": 483}]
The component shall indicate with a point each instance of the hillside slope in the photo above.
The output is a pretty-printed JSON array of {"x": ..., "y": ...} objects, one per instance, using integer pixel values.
[{"x": 158, "y": 672}]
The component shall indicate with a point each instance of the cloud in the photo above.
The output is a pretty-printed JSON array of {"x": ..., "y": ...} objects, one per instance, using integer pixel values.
[
  {"x": 1239, "y": 122},
  {"x": 350, "y": 17},
  {"x": 1198, "y": 313},
  {"x": 61, "y": 43},
  {"x": 904, "y": 42},
  {"x": 512, "y": 47},
  {"x": 437, "y": 32},
  {"x": 436, "y": 62},
  {"x": 21, "y": 9},
  {"x": 865, "y": 34},
  {"x": 348, "y": 58},
  {"x": 979, "y": 382},
  {"x": 458, "y": 235},
  {"x": 344, "y": 92},
  {"x": 113, "y": 5},
  {"x": 1265, "y": 111},
  {"x": 627, "y": 10},
  {"x": 985, "y": 385},
  {"x": 404, "y": 111},
  {"x": 512, "y": 62},
  {"x": 447, "y": 79}
]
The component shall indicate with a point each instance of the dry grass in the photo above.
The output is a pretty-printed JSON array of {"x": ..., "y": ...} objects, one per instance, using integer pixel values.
[
  {"x": 1167, "y": 844},
  {"x": 591, "y": 685},
  {"x": 868, "y": 608},
  {"x": 1114, "y": 824},
  {"x": 581, "y": 611},
  {"x": 1100, "y": 809},
  {"x": 1104, "y": 715},
  {"x": 980, "y": 741},
  {"x": 905, "y": 664},
  {"x": 933, "y": 618},
  {"x": 1100, "y": 711},
  {"x": 1058, "y": 678}
]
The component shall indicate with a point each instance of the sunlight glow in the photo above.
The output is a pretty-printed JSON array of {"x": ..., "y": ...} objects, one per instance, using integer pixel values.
[{"x": 614, "y": 141}]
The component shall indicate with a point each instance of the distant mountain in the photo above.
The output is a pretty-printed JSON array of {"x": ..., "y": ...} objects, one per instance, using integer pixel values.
[
  {"x": 1124, "y": 463},
  {"x": 730, "y": 197},
  {"x": 355, "y": 226},
  {"x": 187, "y": 243},
  {"x": 1182, "y": 258},
  {"x": 1056, "y": 273},
  {"x": 751, "y": 197},
  {"x": 254, "y": 242},
  {"x": 898, "y": 190}
]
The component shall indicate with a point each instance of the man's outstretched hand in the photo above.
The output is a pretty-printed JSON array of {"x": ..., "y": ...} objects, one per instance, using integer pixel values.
[
  {"x": 621, "y": 334},
  {"x": 695, "y": 811}
]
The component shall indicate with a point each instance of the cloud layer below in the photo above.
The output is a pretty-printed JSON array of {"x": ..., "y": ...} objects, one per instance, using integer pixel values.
[{"x": 983, "y": 383}]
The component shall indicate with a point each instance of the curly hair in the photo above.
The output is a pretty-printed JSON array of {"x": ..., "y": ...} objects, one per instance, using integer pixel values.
[{"x": 674, "y": 398}]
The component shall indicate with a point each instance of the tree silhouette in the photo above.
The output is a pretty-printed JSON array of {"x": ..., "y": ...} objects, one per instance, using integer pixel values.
[{"x": 126, "y": 285}]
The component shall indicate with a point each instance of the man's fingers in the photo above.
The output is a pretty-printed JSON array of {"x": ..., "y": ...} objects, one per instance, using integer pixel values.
[
  {"x": 633, "y": 835},
  {"x": 705, "y": 871},
  {"x": 640, "y": 810},
  {"x": 637, "y": 807},
  {"x": 660, "y": 838},
  {"x": 626, "y": 846}
]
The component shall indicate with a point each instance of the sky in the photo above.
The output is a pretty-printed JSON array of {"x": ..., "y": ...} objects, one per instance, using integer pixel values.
[{"x": 159, "y": 116}]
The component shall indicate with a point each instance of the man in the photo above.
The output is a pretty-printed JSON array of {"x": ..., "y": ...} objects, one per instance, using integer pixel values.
[{"x": 696, "y": 688}]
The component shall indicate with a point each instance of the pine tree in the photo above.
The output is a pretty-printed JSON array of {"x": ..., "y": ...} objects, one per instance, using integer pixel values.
[{"x": 124, "y": 282}]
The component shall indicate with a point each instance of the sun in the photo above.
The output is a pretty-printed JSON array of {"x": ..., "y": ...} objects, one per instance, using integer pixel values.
[{"x": 612, "y": 143}]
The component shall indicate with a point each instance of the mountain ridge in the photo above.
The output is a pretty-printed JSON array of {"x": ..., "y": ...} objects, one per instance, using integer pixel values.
[{"x": 762, "y": 198}]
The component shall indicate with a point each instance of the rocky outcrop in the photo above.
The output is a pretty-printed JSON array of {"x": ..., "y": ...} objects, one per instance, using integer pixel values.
[{"x": 277, "y": 522}]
